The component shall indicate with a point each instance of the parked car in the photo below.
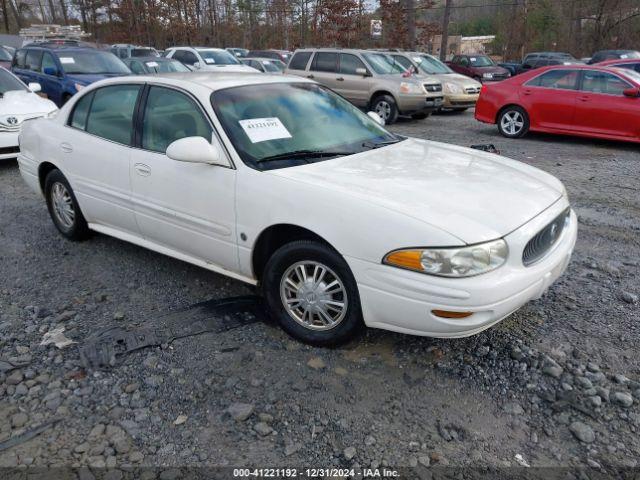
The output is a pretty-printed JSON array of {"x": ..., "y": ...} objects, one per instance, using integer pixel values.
[
  {"x": 277, "y": 181},
  {"x": 18, "y": 103},
  {"x": 546, "y": 59},
  {"x": 5, "y": 58},
  {"x": 123, "y": 51},
  {"x": 265, "y": 65},
  {"x": 151, "y": 65},
  {"x": 208, "y": 59},
  {"x": 479, "y": 67},
  {"x": 630, "y": 63},
  {"x": 590, "y": 101},
  {"x": 603, "y": 55},
  {"x": 514, "y": 67},
  {"x": 460, "y": 92},
  {"x": 369, "y": 80},
  {"x": 63, "y": 71},
  {"x": 238, "y": 52},
  {"x": 282, "y": 55}
]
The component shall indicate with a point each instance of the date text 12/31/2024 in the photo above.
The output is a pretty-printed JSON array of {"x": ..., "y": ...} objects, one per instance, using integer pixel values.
[{"x": 315, "y": 473}]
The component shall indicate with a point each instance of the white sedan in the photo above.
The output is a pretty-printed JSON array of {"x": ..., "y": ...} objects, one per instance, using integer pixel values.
[
  {"x": 17, "y": 104},
  {"x": 278, "y": 182}
]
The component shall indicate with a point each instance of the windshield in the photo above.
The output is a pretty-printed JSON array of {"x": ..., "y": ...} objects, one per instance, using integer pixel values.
[
  {"x": 144, "y": 52},
  {"x": 383, "y": 64},
  {"x": 5, "y": 56},
  {"x": 8, "y": 82},
  {"x": 481, "y": 61},
  {"x": 97, "y": 63},
  {"x": 431, "y": 65},
  {"x": 216, "y": 57},
  {"x": 282, "y": 118},
  {"x": 273, "y": 66},
  {"x": 166, "y": 66}
]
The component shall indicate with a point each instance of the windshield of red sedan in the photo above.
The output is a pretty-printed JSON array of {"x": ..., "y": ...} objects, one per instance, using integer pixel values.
[{"x": 280, "y": 119}]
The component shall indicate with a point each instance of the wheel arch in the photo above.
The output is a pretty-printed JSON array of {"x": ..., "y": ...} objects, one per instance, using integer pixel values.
[
  {"x": 512, "y": 104},
  {"x": 378, "y": 93},
  {"x": 43, "y": 170},
  {"x": 274, "y": 237}
]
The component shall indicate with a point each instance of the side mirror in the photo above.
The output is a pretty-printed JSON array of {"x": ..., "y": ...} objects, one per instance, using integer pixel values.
[
  {"x": 196, "y": 150},
  {"x": 51, "y": 71},
  {"x": 362, "y": 71},
  {"x": 377, "y": 118},
  {"x": 632, "y": 92},
  {"x": 35, "y": 87},
  {"x": 196, "y": 65}
]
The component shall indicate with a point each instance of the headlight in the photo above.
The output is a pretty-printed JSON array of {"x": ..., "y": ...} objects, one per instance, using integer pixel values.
[
  {"x": 78, "y": 86},
  {"x": 487, "y": 75},
  {"x": 454, "y": 262},
  {"x": 411, "y": 88},
  {"x": 452, "y": 88}
]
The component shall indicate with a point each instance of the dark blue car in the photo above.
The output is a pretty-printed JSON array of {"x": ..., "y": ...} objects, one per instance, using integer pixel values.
[{"x": 63, "y": 70}]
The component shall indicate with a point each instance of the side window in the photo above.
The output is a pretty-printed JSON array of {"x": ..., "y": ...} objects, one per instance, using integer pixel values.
[
  {"x": 603, "y": 82},
  {"x": 562, "y": 79},
  {"x": 325, "y": 62},
  {"x": 464, "y": 61},
  {"x": 33, "y": 60},
  {"x": 188, "y": 57},
  {"x": 404, "y": 61},
  {"x": 48, "y": 62},
  {"x": 350, "y": 63},
  {"x": 169, "y": 116},
  {"x": 136, "y": 67},
  {"x": 111, "y": 114},
  {"x": 80, "y": 112},
  {"x": 19, "y": 59},
  {"x": 299, "y": 61}
]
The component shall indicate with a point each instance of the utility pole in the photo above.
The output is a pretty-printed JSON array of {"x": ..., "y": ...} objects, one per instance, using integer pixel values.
[{"x": 445, "y": 30}]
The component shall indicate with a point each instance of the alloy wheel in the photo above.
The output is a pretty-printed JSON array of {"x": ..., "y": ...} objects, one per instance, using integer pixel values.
[
  {"x": 313, "y": 295},
  {"x": 383, "y": 109},
  {"x": 62, "y": 205},
  {"x": 512, "y": 122}
]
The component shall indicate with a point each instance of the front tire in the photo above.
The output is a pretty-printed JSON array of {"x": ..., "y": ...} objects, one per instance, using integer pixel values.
[
  {"x": 312, "y": 293},
  {"x": 63, "y": 207},
  {"x": 513, "y": 122},
  {"x": 386, "y": 107}
]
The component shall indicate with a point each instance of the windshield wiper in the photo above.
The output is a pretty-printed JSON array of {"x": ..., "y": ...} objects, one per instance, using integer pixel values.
[
  {"x": 373, "y": 145},
  {"x": 305, "y": 154}
]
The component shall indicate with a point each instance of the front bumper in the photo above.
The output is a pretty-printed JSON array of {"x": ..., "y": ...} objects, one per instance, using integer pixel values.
[
  {"x": 402, "y": 301},
  {"x": 464, "y": 100},
  {"x": 408, "y": 104},
  {"x": 9, "y": 145}
]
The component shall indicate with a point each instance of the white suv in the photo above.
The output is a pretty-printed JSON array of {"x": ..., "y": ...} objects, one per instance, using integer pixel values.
[{"x": 208, "y": 59}]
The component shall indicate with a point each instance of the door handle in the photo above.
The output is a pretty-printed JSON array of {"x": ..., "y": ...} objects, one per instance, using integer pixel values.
[
  {"x": 583, "y": 99},
  {"x": 527, "y": 92},
  {"x": 340, "y": 79},
  {"x": 66, "y": 147},
  {"x": 142, "y": 169},
  {"x": 310, "y": 76}
]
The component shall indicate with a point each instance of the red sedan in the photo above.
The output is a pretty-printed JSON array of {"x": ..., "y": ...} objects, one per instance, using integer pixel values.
[{"x": 583, "y": 100}]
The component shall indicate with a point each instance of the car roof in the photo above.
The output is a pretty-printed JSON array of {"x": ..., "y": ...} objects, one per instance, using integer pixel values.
[
  {"x": 211, "y": 81},
  {"x": 63, "y": 48},
  {"x": 617, "y": 61},
  {"x": 151, "y": 58},
  {"x": 577, "y": 66},
  {"x": 266, "y": 59}
]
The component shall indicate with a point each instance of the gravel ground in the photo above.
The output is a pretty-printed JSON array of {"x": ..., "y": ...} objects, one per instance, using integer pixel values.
[{"x": 555, "y": 384}]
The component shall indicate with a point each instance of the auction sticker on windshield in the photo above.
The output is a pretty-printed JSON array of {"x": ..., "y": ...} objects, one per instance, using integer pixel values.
[
  {"x": 263, "y": 129},
  {"x": 209, "y": 60},
  {"x": 152, "y": 64},
  {"x": 64, "y": 60}
]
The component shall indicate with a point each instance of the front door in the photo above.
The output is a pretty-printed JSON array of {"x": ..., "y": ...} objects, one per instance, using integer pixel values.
[
  {"x": 603, "y": 109},
  {"x": 550, "y": 99},
  {"x": 185, "y": 207},
  {"x": 50, "y": 78},
  {"x": 95, "y": 154},
  {"x": 353, "y": 86}
]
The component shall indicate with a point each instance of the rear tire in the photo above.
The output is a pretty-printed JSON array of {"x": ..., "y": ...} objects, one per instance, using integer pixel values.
[
  {"x": 513, "y": 122},
  {"x": 311, "y": 292},
  {"x": 63, "y": 207},
  {"x": 386, "y": 107}
]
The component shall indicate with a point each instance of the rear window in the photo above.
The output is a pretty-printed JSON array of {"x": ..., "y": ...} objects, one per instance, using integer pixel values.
[
  {"x": 299, "y": 61},
  {"x": 325, "y": 62}
]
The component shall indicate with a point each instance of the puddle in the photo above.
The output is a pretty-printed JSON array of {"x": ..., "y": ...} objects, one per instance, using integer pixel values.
[{"x": 381, "y": 350}]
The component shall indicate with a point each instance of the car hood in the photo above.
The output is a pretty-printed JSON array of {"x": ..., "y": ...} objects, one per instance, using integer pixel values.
[
  {"x": 21, "y": 104},
  {"x": 473, "y": 195},
  {"x": 458, "y": 79},
  {"x": 88, "y": 78}
]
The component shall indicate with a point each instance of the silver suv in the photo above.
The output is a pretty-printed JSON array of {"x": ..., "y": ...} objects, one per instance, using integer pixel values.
[{"x": 370, "y": 80}]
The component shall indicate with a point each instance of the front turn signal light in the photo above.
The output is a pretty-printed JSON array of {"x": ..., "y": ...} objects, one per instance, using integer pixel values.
[{"x": 411, "y": 259}]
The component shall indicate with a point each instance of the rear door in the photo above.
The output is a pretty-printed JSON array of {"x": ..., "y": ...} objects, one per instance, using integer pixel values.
[
  {"x": 324, "y": 69},
  {"x": 550, "y": 99},
  {"x": 603, "y": 109},
  {"x": 353, "y": 86}
]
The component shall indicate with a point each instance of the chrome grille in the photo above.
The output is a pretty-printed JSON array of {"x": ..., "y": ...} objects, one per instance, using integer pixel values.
[
  {"x": 433, "y": 87},
  {"x": 472, "y": 90},
  {"x": 541, "y": 243}
]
